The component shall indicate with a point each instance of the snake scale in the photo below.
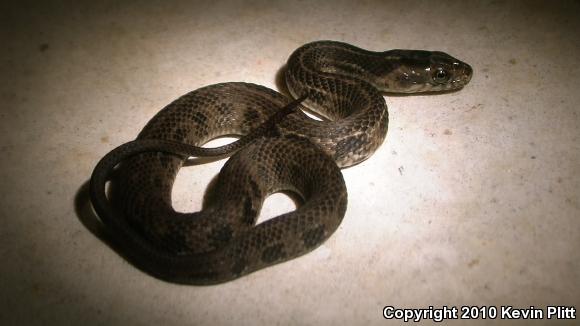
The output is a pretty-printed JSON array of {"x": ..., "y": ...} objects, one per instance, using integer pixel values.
[{"x": 282, "y": 150}]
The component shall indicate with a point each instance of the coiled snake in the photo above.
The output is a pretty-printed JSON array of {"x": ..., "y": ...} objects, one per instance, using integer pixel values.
[{"x": 283, "y": 150}]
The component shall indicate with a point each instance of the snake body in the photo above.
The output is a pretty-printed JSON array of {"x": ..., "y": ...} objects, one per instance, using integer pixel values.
[{"x": 341, "y": 83}]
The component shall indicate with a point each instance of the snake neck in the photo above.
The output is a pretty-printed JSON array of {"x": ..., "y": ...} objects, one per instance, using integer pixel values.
[
  {"x": 330, "y": 73},
  {"x": 340, "y": 60}
]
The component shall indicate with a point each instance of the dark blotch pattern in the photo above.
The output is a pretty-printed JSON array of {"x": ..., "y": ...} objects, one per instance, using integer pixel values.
[
  {"x": 239, "y": 266},
  {"x": 250, "y": 213},
  {"x": 313, "y": 237},
  {"x": 273, "y": 253},
  {"x": 180, "y": 134},
  {"x": 224, "y": 109},
  {"x": 199, "y": 117},
  {"x": 255, "y": 188},
  {"x": 220, "y": 235},
  {"x": 348, "y": 145},
  {"x": 251, "y": 115}
]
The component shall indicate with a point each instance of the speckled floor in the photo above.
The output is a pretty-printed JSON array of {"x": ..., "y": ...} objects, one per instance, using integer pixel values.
[{"x": 472, "y": 200}]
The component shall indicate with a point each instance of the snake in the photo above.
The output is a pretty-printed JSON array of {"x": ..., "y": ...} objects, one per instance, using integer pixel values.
[{"x": 281, "y": 149}]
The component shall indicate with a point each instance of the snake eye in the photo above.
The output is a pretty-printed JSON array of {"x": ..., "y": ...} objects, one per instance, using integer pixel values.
[{"x": 440, "y": 76}]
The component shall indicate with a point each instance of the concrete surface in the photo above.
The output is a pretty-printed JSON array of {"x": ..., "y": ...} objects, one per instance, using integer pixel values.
[{"x": 472, "y": 200}]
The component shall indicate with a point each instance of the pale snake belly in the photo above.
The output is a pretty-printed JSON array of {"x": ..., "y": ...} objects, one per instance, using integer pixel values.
[{"x": 285, "y": 151}]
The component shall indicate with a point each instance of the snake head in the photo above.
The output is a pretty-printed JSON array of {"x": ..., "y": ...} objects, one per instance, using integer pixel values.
[{"x": 417, "y": 71}]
